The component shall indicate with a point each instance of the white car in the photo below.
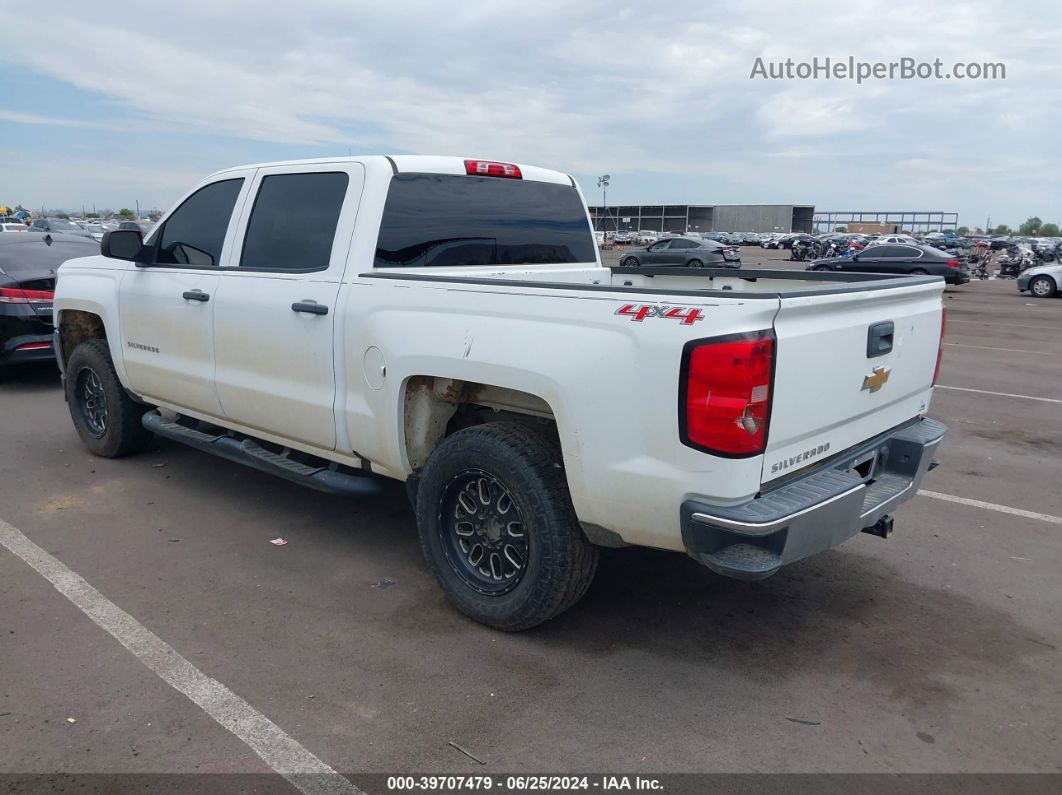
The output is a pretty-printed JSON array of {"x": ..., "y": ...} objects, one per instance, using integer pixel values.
[
  {"x": 888, "y": 239},
  {"x": 1043, "y": 281},
  {"x": 648, "y": 236},
  {"x": 448, "y": 323},
  {"x": 16, "y": 227}
]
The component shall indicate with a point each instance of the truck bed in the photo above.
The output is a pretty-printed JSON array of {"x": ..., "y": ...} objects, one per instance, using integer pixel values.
[{"x": 719, "y": 282}]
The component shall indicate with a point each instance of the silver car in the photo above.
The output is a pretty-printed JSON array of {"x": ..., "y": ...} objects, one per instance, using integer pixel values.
[{"x": 1043, "y": 281}]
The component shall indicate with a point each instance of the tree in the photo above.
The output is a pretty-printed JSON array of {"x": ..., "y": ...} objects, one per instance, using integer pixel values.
[
  {"x": 1002, "y": 229},
  {"x": 126, "y": 214},
  {"x": 1031, "y": 226},
  {"x": 1049, "y": 230},
  {"x": 840, "y": 229},
  {"x": 64, "y": 216},
  {"x": 962, "y": 231}
]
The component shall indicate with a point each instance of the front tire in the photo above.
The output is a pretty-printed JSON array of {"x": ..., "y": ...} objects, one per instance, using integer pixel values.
[
  {"x": 105, "y": 417},
  {"x": 629, "y": 262},
  {"x": 822, "y": 268},
  {"x": 1042, "y": 287},
  {"x": 498, "y": 528}
]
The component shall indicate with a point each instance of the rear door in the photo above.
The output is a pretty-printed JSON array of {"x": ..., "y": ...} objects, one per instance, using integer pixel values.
[
  {"x": 275, "y": 312},
  {"x": 167, "y": 307},
  {"x": 841, "y": 377}
]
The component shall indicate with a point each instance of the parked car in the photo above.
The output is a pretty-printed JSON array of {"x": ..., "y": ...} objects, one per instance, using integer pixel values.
[
  {"x": 648, "y": 236},
  {"x": 58, "y": 225},
  {"x": 1043, "y": 281},
  {"x": 94, "y": 228},
  {"x": 13, "y": 227},
  {"x": 915, "y": 260},
  {"x": 536, "y": 404},
  {"x": 624, "y": 237},
  {"x": 888, "y": 239},
  {"x": 787, "y": 241},
  {"x": 683, "y": 252},
  {"x": 28, "y": 262}
]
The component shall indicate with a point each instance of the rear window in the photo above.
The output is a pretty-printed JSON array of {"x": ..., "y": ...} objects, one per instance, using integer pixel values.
[
  {"x": 37, "y": 255},
  {"x": 449, "y": 220}
]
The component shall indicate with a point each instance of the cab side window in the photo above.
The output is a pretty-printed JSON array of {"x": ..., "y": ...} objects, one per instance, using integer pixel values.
[
  {"x": 194, "y": 233},
  {"x": 293, "y": 223}
]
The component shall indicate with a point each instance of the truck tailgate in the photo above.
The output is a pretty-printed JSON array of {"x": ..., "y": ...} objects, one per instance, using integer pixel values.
[{"x": 829, "y": 392}]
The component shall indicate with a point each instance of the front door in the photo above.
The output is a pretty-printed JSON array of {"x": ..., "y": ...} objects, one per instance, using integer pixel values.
[
  {"x": 656, "y": 254},
  {"x": 275, "y": 314},
  {"x": 167, "y": 306}
]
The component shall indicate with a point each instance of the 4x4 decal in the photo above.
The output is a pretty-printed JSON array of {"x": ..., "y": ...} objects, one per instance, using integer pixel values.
[{"x": 688, "y": 315}]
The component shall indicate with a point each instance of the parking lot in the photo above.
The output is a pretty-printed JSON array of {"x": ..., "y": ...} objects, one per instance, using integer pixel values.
[{"x": 934, "y": 651}]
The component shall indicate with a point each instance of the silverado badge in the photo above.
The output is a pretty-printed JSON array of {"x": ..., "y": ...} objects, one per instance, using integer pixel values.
[{"x": 876, "y": 380}]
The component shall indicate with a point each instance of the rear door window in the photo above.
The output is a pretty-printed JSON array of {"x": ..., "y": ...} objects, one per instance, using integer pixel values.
[
  {"x": 293, "y": 223},
  {"x": 450, "y": 220}
]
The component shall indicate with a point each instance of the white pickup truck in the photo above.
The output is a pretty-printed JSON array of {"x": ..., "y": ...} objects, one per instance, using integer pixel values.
[{"x": 448, "y": 323}]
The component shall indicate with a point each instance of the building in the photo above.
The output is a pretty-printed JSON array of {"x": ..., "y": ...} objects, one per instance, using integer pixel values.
[
  {"x": 886, "y": 221},
  {"x": 705, "y": 217}
]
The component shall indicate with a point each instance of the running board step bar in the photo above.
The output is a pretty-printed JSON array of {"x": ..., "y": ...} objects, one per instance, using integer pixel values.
[{"x": 252, "y": 454}]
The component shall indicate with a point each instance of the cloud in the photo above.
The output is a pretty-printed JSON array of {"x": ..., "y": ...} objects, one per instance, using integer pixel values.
[
  {"x": 51, "y": 121},
  {"x": 641, "y": 91}
]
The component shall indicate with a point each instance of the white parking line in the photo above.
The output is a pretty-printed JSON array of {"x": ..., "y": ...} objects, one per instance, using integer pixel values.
[
  {"x": 991, "y": 506},
  {"x": 988, "y": 348},
  {"x": 1002, "y": 323},
  {"x": 282, "y": 753},
  {"x": 998, "y": 394}
]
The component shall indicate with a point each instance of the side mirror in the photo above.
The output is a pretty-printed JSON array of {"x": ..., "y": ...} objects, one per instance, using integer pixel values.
[{"x": 127, "y": 244}]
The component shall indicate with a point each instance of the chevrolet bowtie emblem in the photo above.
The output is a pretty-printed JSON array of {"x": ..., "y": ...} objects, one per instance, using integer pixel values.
[{"x": 876, "y": 380}]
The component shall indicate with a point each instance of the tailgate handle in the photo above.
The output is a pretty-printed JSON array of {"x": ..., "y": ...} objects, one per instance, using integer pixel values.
[{"x": 879, "y": 339}]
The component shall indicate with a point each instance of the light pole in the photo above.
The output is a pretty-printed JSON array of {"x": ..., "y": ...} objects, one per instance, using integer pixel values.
[{"x": 602, "y": 182}]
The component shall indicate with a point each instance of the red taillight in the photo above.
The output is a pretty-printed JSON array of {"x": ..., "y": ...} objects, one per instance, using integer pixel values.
[
  {"x": 34, "y": 346},
  {"x": 490, "y": 168},
  {"x": 940, "y": 349},
  {"x": 954, "y": 263},
  {"x": 16, "y": 295},
  {"x": 726, "y": 394}
]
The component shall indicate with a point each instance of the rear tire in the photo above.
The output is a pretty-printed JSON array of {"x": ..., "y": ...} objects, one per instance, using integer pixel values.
[
  {"x": 919, "y": 272},
  {"x": 1042, "y": 287},
  {"x": 694, "y": 263},
  {"x": 105, "y": 417},
  {"x": 498, "y": 528}
]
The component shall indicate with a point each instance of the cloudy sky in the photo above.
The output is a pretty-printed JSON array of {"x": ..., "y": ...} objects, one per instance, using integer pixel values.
[{"x": 109, "y": 103}]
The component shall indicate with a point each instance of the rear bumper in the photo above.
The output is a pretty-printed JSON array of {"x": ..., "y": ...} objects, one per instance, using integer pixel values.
[
  {"x": 1023, "y": 282},
  {"x": 962, "y": 277},
  {"x": 24, "y": 336},
  {"x": 815, "y": 512}
]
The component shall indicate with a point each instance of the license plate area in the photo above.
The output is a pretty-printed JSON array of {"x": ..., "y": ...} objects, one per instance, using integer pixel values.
[{"x": 863, "y": 467}]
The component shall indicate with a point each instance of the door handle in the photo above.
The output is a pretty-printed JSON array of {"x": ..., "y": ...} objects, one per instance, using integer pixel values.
[
  {"x": 312, "y": 307},
  {"x": 196, "y": 295},
  {"x": 879, "y": 338}
]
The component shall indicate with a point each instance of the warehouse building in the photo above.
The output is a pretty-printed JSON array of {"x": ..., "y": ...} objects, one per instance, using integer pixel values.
[
  {"x": 886, "y": 221},
  {"x": 705, "y": 217}
]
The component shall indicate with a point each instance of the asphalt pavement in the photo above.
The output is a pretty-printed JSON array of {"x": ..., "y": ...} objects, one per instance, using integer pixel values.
[{"x": 934, "y": 651}]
